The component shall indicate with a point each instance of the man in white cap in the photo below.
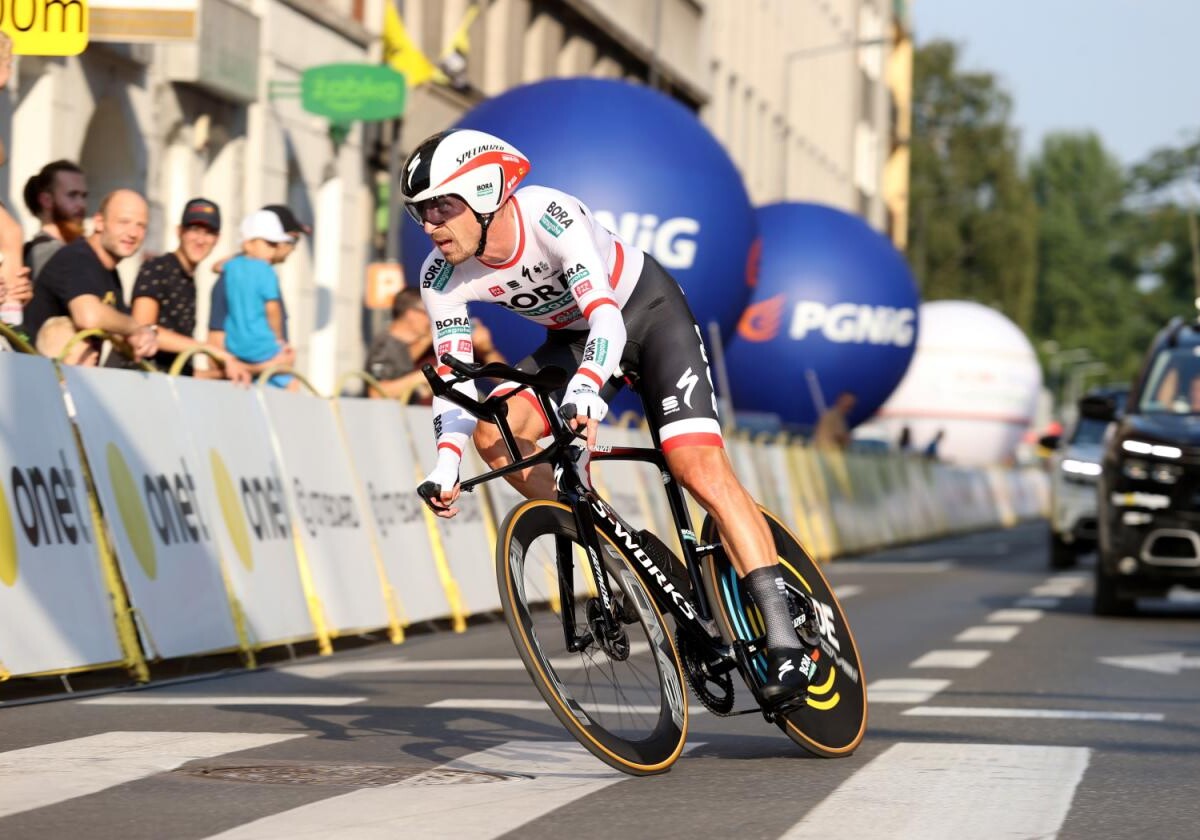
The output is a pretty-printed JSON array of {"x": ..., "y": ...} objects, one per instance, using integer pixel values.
[{"x": 255, "y": 326}]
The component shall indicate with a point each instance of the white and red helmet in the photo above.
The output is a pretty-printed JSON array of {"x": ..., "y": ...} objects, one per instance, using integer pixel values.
[{"x": 477, "y": 167}]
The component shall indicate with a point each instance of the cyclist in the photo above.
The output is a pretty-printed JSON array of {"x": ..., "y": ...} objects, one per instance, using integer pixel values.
[{"x": 611, "y": 311}]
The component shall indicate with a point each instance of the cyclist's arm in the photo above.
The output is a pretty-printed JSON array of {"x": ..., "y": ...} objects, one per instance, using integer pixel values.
[
  {"x": 588, "y": 279},
  {"x": 452, "y": 426}
]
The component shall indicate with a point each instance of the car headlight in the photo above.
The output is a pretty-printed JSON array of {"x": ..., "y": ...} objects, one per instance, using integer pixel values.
[
  {"x": 1137, "y": 470},
  {"x": 1085, "y": 468},
  {"x": 1158, "y": 450}
]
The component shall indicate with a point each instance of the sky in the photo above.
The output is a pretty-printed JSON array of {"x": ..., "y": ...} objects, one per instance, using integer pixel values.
[{"x": 1127, "y": 69}]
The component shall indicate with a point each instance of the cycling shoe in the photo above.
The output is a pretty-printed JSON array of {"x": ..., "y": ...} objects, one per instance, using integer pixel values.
[{"x": 787, "y": 675}]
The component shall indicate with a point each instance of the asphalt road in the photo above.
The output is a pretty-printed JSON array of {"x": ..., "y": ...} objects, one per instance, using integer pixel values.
[{"x": 1000, "y": 707}]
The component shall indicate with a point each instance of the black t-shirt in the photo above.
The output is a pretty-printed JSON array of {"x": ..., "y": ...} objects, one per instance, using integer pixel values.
[
  {"x": 74, "y": 270},
  {"x": 165, "y": 279}
]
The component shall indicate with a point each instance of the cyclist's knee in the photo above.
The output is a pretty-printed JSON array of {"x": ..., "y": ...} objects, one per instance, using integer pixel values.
[
  {"x": 704, "y": 471},
  {"x": 526, "y": 424}
]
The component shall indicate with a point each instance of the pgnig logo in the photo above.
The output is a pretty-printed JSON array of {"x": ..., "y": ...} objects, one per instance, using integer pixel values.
[{"x": 839, "y": 323}]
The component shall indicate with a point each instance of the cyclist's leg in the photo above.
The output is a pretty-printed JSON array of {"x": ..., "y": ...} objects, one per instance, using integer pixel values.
[
  {"x": 526, "y": 419},
  {"x": 528, "y": 425},
  {"x": 680, "y": 401}
]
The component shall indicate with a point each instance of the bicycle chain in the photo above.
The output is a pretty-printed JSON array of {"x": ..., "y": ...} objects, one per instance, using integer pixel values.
[{"x": 693, "y": 668}]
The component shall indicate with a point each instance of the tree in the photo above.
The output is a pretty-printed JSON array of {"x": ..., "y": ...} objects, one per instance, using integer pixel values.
[
  {"x": 1084, "y": 270},
  {"x": 972, "y": 216}
]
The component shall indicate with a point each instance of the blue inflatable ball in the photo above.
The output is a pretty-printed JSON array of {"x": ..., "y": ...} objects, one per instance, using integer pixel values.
[
  {"x": 648, "y": 169},
  {"x": 834, "y": 310}
]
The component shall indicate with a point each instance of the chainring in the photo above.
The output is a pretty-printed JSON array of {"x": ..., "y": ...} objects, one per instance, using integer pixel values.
[{"x": 715, "y": 692}]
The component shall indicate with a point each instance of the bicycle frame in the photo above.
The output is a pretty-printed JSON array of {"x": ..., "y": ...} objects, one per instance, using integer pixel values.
[{"x": 592, "y": 513}]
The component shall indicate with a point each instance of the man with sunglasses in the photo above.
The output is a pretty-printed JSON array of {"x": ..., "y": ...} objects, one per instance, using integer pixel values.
[{"x": 610, "y": 312}]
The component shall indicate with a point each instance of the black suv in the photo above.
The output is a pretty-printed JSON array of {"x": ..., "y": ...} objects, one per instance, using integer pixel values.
[{"x": 1148, "y": 496}]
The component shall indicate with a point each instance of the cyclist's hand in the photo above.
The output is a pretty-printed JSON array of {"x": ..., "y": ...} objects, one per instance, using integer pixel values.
[
  {"x": 440, "y": 501},
  {"x": 583, "y": 408}
]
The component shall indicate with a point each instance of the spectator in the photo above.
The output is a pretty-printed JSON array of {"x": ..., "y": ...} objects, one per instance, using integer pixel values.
[
  {"x": 80, "y": 280},
  {"x": 57, "y": 196},
  {"x": 54, "y": 336},
  {"x": 931, "y": 449},
  {"x": 396, "y": 356},
  {"x": 217, "y": 306},
  {"x": 15, "y": 287},
  {"x": 165, "y": 291},
  {"x": 833, "y": 429},
  {"x": 255, "y": 326},
  {"x": 904, "y": 445}
]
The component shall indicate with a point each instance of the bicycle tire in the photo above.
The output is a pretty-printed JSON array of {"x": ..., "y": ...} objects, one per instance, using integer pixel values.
[
  {"x": 834, "y": 720},
  {"x": 638, "y": 726}
]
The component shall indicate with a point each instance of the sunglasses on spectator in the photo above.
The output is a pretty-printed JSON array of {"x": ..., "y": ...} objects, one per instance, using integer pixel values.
[{"x": 437, "y": 210}]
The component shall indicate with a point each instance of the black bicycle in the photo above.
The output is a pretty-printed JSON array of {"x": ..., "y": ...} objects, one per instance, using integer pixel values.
[{"x": 586, "y": 597}]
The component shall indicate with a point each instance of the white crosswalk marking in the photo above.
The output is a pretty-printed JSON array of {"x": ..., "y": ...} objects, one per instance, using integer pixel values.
[
  {"x": 50, "y": 773},
  {"x": 989, "y": 633},
  {"x": 904, "y": 691},
  {"x": 151, "y": 698},
  {"x": 930, "y": 791},
  {"x": 1014, "y": 616},
  {"x": 951, "y": 659},
  {"x": 544, "y": 776}
]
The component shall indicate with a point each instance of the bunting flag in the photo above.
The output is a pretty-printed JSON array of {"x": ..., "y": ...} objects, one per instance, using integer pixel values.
[{"x": 402, "y": 55}]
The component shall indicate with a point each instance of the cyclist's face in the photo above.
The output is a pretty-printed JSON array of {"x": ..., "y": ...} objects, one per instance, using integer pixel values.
[{"x": 454, "y": 231}]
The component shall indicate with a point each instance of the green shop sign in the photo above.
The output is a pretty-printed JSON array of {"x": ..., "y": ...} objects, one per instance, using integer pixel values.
[{"x": 347, "y": 92}]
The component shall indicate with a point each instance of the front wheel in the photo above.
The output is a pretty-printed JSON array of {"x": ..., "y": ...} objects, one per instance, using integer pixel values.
[
  {"x": 621, "y": 697},
  {"x": 834, "y": 719}
]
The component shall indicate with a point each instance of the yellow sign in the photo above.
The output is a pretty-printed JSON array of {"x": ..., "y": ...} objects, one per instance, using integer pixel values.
[
  {"x": 8, "y": 544},
  {"x": 231, "y": 511},
  {"x": 133, "y": 515},
  {"x": 45, "y": 27}
]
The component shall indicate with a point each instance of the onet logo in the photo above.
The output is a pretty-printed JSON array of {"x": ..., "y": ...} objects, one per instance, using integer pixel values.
[
  {"x": 133, "y": 514},
  {"x": 231, "y": 510},
  {"x": 761, "y": 321},
  {"x": 8, "y": 543}
]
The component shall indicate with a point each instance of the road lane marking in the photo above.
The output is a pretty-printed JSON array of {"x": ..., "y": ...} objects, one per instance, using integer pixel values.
[
  {"x": 1015, "y": 616},
  {"x": 904, "y": 691},
  {"x": 952, "y": 791},
  {"x": 1047, "y": 714},
  {"x": 846, "y": 590},
  {"x": 496, "y": 704},
  {"x": 951, "y": 659},
  {"x": 1041, "y": 603},
  {"x": 327, "y": 670},
  {"x": 989, "y": 633},
  {"x": 151, "y": 699},
  {"x": 35, "y": 777},
  {"x": 1058, "y": 587},
  {"x": 536, "y": 777},
  {"x": 851, "y": 566}
]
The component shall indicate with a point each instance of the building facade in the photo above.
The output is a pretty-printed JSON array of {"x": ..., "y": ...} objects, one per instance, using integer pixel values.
[{"x": 807, "y": 96}]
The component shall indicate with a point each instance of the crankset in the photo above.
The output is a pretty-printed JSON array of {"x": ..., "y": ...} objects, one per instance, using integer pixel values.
[
  {"x": 804, "y": 617},
  {"x": 715, "y": 691}
]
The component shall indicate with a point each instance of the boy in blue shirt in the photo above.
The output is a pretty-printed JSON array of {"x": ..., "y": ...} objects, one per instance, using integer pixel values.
[{"x": 255, "y": 325}]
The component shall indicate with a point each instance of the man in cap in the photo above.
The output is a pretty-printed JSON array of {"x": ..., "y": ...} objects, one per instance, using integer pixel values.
[{"x": 164, "y": 295}]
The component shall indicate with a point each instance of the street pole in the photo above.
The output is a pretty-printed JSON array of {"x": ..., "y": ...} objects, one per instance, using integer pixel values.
[{"x": 786, "y": 104}]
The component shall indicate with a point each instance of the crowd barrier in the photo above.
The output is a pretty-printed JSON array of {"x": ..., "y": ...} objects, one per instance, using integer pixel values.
[{"x": 145, "y": 517}]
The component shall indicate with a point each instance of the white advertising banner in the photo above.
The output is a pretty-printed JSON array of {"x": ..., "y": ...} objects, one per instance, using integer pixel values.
[
  {"x": 381, "y": 455},
  {"x": 464, "y": 538},
  {"x": 54, "y": 611},
  {"x": 145, "y": 471},
  {"x": 240, "y": 480},
  {"x": 327, "y": 516}
]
